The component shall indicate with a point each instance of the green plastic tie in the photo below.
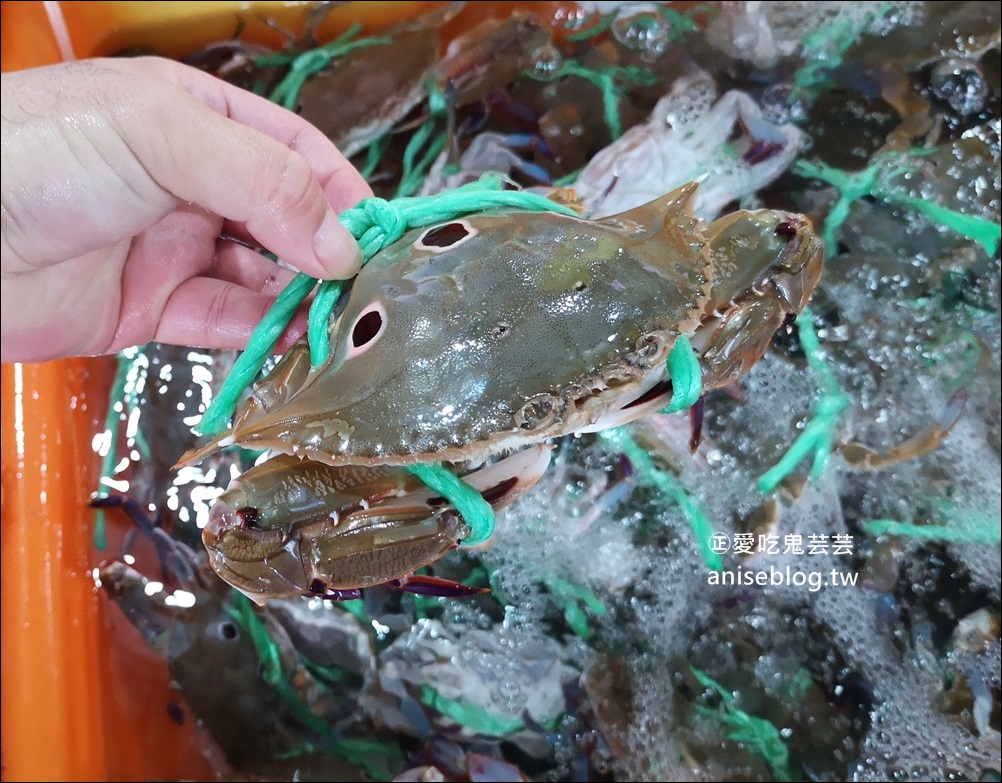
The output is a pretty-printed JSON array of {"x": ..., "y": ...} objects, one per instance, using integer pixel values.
[
  {"x": 470, "y": 504},
  {"x": 666, "y": 484},
  {"x": 610, "y": 79},
  {"x": 759, "y": 736},
  {"x": 307, "y": 64},
  {"x": 112, "y": 423},
  {"x": 572, "y": 597},
  {"x": 259, "y": 348},
  {"x": 374, "y": 154},
  {"x": 816, "y": 440},
  {"x": 686, "y": 376},
  {"x": 679, "y": 24},
  {"x": 871, "y": 182},
  {"x": 323, "y": 305},
  {"x": 824, "y": 48},
  {"x": 600, "y": 26},
  {"x": 474, "y": 718},
  {"x": 850, "y": 185},
  {"x": 242, "y": 611},
  {"x": 123, "y": 391},
  {"x": 414, "y": 169},
  {"x": 983, "y": 531},
  {"x": 983, "y": 231}
]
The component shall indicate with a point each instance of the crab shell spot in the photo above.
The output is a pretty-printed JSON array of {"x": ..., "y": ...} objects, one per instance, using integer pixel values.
[
  {"x": 367, "y": 329},
  {"x": 538, "y": 412},
  {"x": 445, "y": 237},
  {"x": 651, "y": 350}
]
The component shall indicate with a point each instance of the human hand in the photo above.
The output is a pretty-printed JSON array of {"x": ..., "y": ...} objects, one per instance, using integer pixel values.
[{"x": 130, "y": 187}]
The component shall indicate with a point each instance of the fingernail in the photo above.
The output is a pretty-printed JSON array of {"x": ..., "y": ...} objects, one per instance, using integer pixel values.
[{"x": 336, "y": 248}]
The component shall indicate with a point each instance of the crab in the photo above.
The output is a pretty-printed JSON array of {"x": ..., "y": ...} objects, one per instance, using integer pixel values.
[{"x": 476, "y": 342}]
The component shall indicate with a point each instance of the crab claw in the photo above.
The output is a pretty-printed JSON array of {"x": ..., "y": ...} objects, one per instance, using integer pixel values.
[{"x": 297, "y": 527}]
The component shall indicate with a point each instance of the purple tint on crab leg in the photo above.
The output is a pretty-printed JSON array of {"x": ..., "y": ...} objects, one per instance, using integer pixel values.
[
  {"x": 173, "y": 562},
  {"x": 696, "y": 424},
  {"x": 436, "y": 586},
  {"x": 343, "y": 595},
  {"x": 318, "y": 589}
]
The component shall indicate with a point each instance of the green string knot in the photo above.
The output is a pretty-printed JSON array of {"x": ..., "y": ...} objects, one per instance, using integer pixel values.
[{"x": 389, "y": 222}]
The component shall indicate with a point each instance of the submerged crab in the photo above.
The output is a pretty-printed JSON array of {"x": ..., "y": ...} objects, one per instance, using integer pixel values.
[{"x": 481, "y": 337}]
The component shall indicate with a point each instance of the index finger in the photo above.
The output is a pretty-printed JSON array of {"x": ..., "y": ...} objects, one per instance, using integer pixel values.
[{"x": 343, "y": 186}]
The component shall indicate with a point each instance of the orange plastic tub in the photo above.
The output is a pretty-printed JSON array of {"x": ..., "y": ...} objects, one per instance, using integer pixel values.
[{"x": 83, "y": 698}]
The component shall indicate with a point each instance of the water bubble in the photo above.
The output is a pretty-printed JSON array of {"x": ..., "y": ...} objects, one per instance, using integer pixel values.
[
  {"x": 546, "y": 60},
  {"x": 782, "y": 104},
  {"x": 960, "y": 84},
  {"x": 646, "y": 32}
]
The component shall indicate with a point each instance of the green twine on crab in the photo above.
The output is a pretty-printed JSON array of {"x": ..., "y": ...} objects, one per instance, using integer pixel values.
[
  {"x": 679, "y": 23},
  {"x": 470, "y": 504},
  {"x": 758, "y": 735},
  {"x": 373, "y": 155},
  {"x": 686, "y": 376},
  {"x": 669, "y": 487},
  {"x": 985, "y": 534},
  {"x": 424, "y": 138},
  {"x": 474, "y": 717},
  {"x": 610, "y": 79},
  {"x": 355, "y": 751},
  {"x": 817, "y": 439},
  {"x": 259, "y": 348},
  {"x": 824, "y": 48},
  {"x": 872, "y": 181},
  {"x": 376, "y": 224},
  {"x": 304, "y": 65},
  {"x": 242, "y": 611},
  {"x": 574, "y": 599},
  {"x": 955, "y": 524}
]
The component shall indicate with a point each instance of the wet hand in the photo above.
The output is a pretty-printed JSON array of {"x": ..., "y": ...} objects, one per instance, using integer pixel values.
[{"x": 136, "y": 194}]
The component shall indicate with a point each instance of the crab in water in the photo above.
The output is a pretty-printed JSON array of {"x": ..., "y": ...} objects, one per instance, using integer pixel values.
[{"x": 483, "y": 338}]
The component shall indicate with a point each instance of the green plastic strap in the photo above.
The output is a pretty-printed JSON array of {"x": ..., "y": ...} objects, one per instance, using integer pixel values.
[
  {"x": 986, "y": 533},
  {"x": 669, "y": 487},
  {"x": 686, "y": 376},
  {"x": 475, "y": 511},
  {"x": 243, "y": 613},
  {"x": 307, "y": 64},
  {"x": 817, "y": 437},
  {"x": 571, "y": 596},
  {"x": 609, "y": 79},
  {"x": 260, "y": 347},
  {"x": 870, "y": 182},
  {"x": 326, "y": 299},
  {"x": 758, "y": 735},
  {"x": 469, "y": 715},
  {"x": 414, "y": 169},
  {"x": 112, "y": 425}
]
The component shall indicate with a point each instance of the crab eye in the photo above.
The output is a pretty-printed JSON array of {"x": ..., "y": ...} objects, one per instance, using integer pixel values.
[
  {"x": 367, "y": 329},
  {"x": 445, "y": 237}
]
